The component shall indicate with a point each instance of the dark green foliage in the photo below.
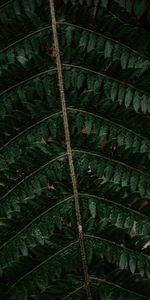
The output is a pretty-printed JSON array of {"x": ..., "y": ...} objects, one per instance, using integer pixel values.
[{"x": 105, "y": 57}]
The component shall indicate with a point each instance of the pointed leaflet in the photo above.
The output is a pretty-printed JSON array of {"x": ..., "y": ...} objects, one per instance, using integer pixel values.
[
  {"x": 29, "y": 52},
  {"x": 134, "y": 182},
  {"x": 97, "y": 84},
  {"x": 136, "y": 101},
  {"x": 109, "y": 172},
  {"x": 80, "y": 80},
  {"x": 141, "y": 265},
  {"x": 117, "y": 51},
  {"x": 90, "y": 82},
  {"x": 142, "y": 186},
  {"x": 92, "y": 42},
  {"x": 11, "y": 56},
  {"x": 144, "y": 104},
  {"x": 121, "y": 94},
  {"x": 92, "y": 208},
  {"x": 128, "y": 98},
  {"x": 88, "y": 125},
  {"x": 23, "y": 248},
  {"x": 125, "y": 178},
  {"x": 107, "y": 88},
  {"x": 103, "y": 131},
  {"x": 144, "y": 146},
  {"x": 108, "y": 49},
  {"x": 123, "y": 262},
  {"x": 132, "y": 61},
  {"x": 124, "y": 59},
  {"x": 22, "y": 59},
  {"x": 132, "y": 263},
  {"x": 114, "y": 91},
  {"x": 117, "y": 175},
  {"x": 83, "y": 40},
  {"x": 100, "y": 44},
  {"x": 69, "y": 35},
  {"x": 128, "y": 140}
]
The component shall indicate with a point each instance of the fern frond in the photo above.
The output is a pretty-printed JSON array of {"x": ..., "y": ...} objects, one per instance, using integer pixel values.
[
  {"x": 118, "y": 214},
  {"x": 115, "y": 168},
  {"x": 90, "y": 40},
  {"x": 22, "y": 190},
  {"x": 36, "y": 232},
  {"x": 114, "y": 253},
  {"x": 111, "y": 290},
  {"x": 114, "y": 89},
  {"x": 75, "y": 149},
  {"x": 47, "y": 267}
]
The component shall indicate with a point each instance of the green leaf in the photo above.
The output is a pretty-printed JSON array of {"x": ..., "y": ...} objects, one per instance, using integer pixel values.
[
  {"x": 69, "y": 35},
  {"x": 142, "y": 187},
  {"x": 128, "y": 98},
  {"x": 21, "y": 59},
  {"x": 88, "y": 125},
  {"x": 124, "y": 59},
  {"x": 83, "y": 40},
  {"x": 108, "y": 49},
  {"x": 121, "y": 94},
  {"x": 80, "y": 80},
  {"x": 109, "y": 172},
  {"x": 134, "y": 182},
  {"x": 136, "y": 102},
  {"x": 141, "y": 265},
  {"x": 91, "y": 43},
  {"x": 132, "y": 62},
  {"x": 132, "y": 263},
  {"x": 144, "y": 104},
  {"x": 38, "y": 235},
  {"x": 97, "y": 85},
  {"x": 92, "y": 208},
  {"x": 123, "y": 260},
  {"x": 23, "y": 247},
  {"x": 11, "y": 56},
  {"x": 114, "y": 91}
]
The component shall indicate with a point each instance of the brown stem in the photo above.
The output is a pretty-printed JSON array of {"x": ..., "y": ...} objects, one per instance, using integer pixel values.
[{"x": 69, "y": 150}]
